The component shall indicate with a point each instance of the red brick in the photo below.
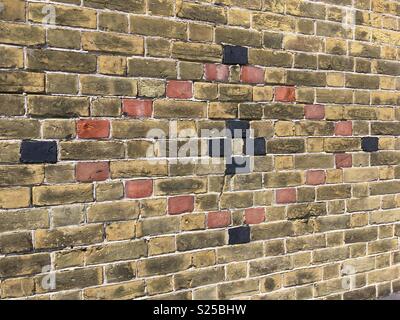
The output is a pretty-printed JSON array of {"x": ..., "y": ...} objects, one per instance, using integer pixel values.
[
  {"x": 254, "y": 215},
  {"x": 286, "y": 195},
  {"x": 139, "y": 188},
  {"x": 93, "y": 129},
  {"x": 216, "y": 72},
  {"x": 179, "y": 89},
  {"x": 218, "y": 219},
  {"x": 314, "y": 111},
  {"x": 92, "y": 171},
  {"x": 344, "y": 128},
  {"x": 251, "y": 74},
  {"x": 137, "y": 108},
  {"x": 343, "y": 160},
  {"x": 180, "y": 204},
  {"x": 315, "y": 177},
  {"x": 285, "y": 94}
]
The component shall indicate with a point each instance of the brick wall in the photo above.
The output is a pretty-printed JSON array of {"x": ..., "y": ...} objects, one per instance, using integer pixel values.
[{"x": 97, "y": 94}]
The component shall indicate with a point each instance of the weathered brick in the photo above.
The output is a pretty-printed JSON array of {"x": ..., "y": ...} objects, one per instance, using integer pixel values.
[
  {"x": 113, "y": 43},
  {"x": 126, "y": 210},
  {"x": 200, "y": 240},
  {"x": 116, "y": 252},
  {"x": 66, "y": 16},
  {"x": 23, "y": 265},
  {"x": 70, "y": 236},
  {"x": 62, "y": 194}
]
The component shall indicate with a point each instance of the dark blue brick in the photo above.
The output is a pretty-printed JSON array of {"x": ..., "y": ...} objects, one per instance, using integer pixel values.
[
  {"x": 370, "y": 144},
  {"x": 235, "y": 55},
  {"x": 238, "y": 128},
  {"x": 255, "y": 147},
  {"x": 239, "y": 235},
  {"x": 38, "y": 152},
  {"x": 219, "y": 148},
  {"x": 238, "y": 165}
]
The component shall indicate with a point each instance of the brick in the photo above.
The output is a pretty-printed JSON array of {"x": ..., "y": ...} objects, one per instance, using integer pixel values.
[
  {"x": 105, "y": 107},
  {"x": 58, "y": 107},
  {"x": 20, "y": 34},
  {"x": 285, "y": 94},
  {"x": 181, "y": 109},
  {"x": 11, "y": 57},
  {"x": 344, "y": 128},
  {"x": 93, "y": 150},
  {"x": 286, "y": 195},
  {"x": 239, "y": 253},
  {"x": 66, "y": 16},
  {"x": 251, "y": 74},
  {"x": 70, "y": 236},
  {"x": 158, "y": 226},
  {"x": 64, "y": 279},
  {"x": 54, "y": 60},
  {"x": 164, "y": 265},
  {"x": 152, "y": 68},
  {"x": 24, "y": 220},
  {"x": 314, "y": 112},
  {"x": 202, "y": 12},
  {"x": 254, "y": 215},
  {"x": 130, "y": 290},
  {"x": 343, "y": 160},
  {"x": 15, "y": 288},
  {"x": 18, "y": 175},
  {"x": 137, "y": 108},
  {"x": 62, "y": 194},
  {"x": 239, "y": 235},
  {"x": 95, "y": 85},
  {"x": 370, "y": 144},
  {"x": 181, "y": 204},
  {"x": 196, "y": 52},
  {"x": 137, "y": 168},
  {"x": 315, "y": 177},
  {"x": 23, "y": 265},
  {"x": 92, "y": 171},
  {"x": 218, "y": 219},
  {"x": 93, "y": 129},
  {"x": 191, "y": 241},
  {"x": 16, "y": 197},
  {"x": 283, "y": 112},
  {"x": 154, "y": 26},
  {"x": 179, "y": 89},
  {"x": 116, "y": 252},
  {"x": 216, "y": 72},
  {"x": 270, "y": 58},
  {"x": 110, "y": 21},
  {"x": 111, "y": 65},
  {"x": 113, "y": 43},
  {"x": 64, "y": 38},
  {"x": 277, "y": 146},
  {"x": 139, "y": 188},
  {"x": 62, "y": 83},
  {"x": 20, "y": 82},
  {"x": 235, "y": 55},
  {"x": 16, "y": 243}
]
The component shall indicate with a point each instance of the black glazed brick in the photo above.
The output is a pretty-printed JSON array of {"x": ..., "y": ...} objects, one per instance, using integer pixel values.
[
  {"x": 235, "y": 55},
  {"x": 255, "y": 147},
  {"x": 239, "y": 235},
  {"x": 219, "y": 147},
  {"x": 238, "y": 165},
  {"x": 370, "y": 144},
  {"x": 39, "y": 152},
  {"x": 238, "y": 128}
]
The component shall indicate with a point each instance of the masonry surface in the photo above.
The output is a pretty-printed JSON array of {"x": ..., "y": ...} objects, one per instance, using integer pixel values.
[{"x": 90, "y": 208}]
